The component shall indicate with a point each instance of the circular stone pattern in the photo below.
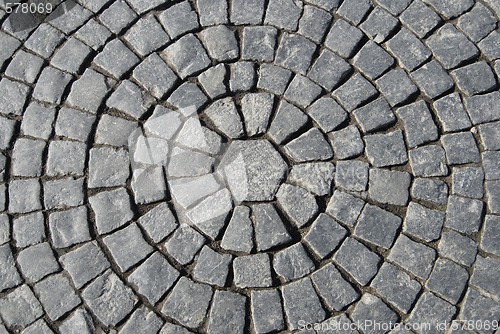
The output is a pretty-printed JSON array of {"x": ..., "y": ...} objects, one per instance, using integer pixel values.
[{"x": 250, "y": 166}]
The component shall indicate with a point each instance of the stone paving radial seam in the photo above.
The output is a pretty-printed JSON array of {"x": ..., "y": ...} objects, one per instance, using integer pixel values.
[{"x": 250, "y": 166}]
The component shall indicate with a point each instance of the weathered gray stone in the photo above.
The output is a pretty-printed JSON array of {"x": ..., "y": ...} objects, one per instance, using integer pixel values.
[
  {"x": 10, "y": 46},
  {"x": 390, "y": 187},
  {"x": 352, "y": 175},
  {"x": 486, "y": 269},
  {"x": 93, "y": 34},
  {"x": 117, "y": 16},
  {"x": 79, "y": 321},
  {"x": 339, "y": 70},
  {"x": 169, "y": 328},
  {"x": 20, "y": 307},
  {"x": 372, "y": 308},
  {"x": 343, "y": 38},
  {"x": 432, "y": 79},
  {"x": 315, "y": 177},
  {"x": 468, "y": 182},
  {"x": 377, "y": 226},
  {"x": 408, "y": 49},
  {"x": 345, "y": 208},
  {"x": 130, "y": 99},
  {"x": 8, "y": 272},
  {"x": 491, "y": 168},
  {"x": 221, "y": 43},
  {"x": 108, "y": 167},
  {"x": 212, "y": 12},
  {"x": 434, "y": 191},
  {"x": 56, "y": 296},
  {"x": 36, "y": 262},
  {"x": 211, "y": 267},
  {"x": 379, "y": 25},
  {"x": 27, "y": 230},
  {"x": 154, "y": 75},
  {"x": 71, "y": 56},
  {"x": 310, "y": 146},
  {"x": 333, "y": 288},
  {"x": 116, "y": 59},
  {"x": 225, "y": 117},
  {"x": 187, "y": 56},
  {"x": 196, "y": 97},
  {"x": 142, "y": 320},
  {"x": 256, "y": 109},
  {"x": 460, "y": 148},
  {"x": 477, "y": 307},
  {"x": 490, "y": 236},
  {"x": 357, "y": 260},
  {"x": 287, "y": 121},
  {"x": 213, "y": 81},
  {"x": 269, "y": 228},
  {"x": 267, "y": 311},
  {"x": 51, "y": 85},
  {"x": 148, "y": 185},
  {"x": 422, "y": 222},
  {"x": 490, "y": 134},
  {"x": 475, "y": 78},
  {"x": 38, "y": 327},
  {"x": 448, "y": 280},
  {"x": 298, "y": 204},
  {"x": 66, "y": 158},
  {"x": 372, "y": 60},
  {"x": 69, "y": 227},
  {"x": 354, "y": 10},
  {"x": 227, "y": 313},
  {"x": 258, "y": 43},
  {"x": 89, "y": 90},
  {"x": 68, "y": 20},
  {"x": 464, "y": 214},
  {"x": 428, "y": 161},
  {"x": 44, "y": 40},
  {"x": 347, "y": 143},
  {"x": 450, "y": 8},
  {"x": 355, "y": 92},
  {"x": 313, "y": 23},
  {"x": 483, "y": 108},
  {"x": 419, "y": 18},
  {"x": 489, "y": 46},
  {"x": 302, "y": 91},
  {"x": 432, "y": 310},
  {"x": 111, "y": 209},
  {"x": 184, "y": 244},
  {"x": 25, "y": 67},
  {"x": 273, "y": 78},
  {"x": 457, "y": 247},
  {"x": 451, "y": 113},
  {"x": 412, "y": 256},
  {"x": 179, "y": 19},
  {"x": 292, "y": 263},
  {"x": 238, "y": 236},
  {"x": 27, "y": 157},
  {"x": 74, "y": 124},
  {"x": 243, "y": 76},
  {"x": 252, "y": 271},
  {"x": 24, "y": 196},
  {"x": 478, "y": 22},
  {"x": 397, "y": 87},
  {"x": 7, "y": 131},
  {"x": 275, "y": 17},
  {"x": 247, "y": 12},
  {"x": 301, "y": 304}
]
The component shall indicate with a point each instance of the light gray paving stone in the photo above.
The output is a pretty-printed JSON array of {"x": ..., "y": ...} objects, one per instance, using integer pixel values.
[
  {"x": 478, "y": 22},
  {"x": 493, "y": 4},
  {"x": 468, "y": 182},
  {"x": 141, "y": 6},
  {"x": 148, "y": 185},
  {"x": 475, "y": 78},
  {"x": 44, "y": 40},
  {"x": 397, "y": 287},
  {"x": 490, "y": 134},
  {"x": 37, "y": 120},
  {"x": 79, "y": 321},
  {"x": 189, "y": 164},
  {"x": 69, "y": 20},
  {"x": 395, "y": 8},
  {"x": 483, "y": 108},
  {"x": 14, "y": 98},
  {"x": 169, "y": 328},
  {"x": 412, "y": 256},
  {"x": 196, "y": 97},
  {"x": 357, "y": 260},
  {"x": 184, "y": 244},
  {"x": 450, "y": 8},
  {"x": 489, "y": 46},
  {"x": 93, "y": 34},
  {"x": 63, "y": 193},
  {"x": 292, "y": 263},
  {"x": 127, "y": 247},
  {"x": 179, "y": 19},
  {"x": 256, "y": 109},
  {"x": 386, "y": 149},
  {"x": 493, "y": 195},
  {"x": 73, "y": 124},
  {"x": 108, "y": 167},
  {"x": 343, "y": 38},
  {"x": 315, "y": 177},
  {"x": 10, "y": 46},
  {"x": 432, "y": 79},
  {"x": 428, "y": 161},
  {"x": 117, "y": 16},
  {"x": 328, "y": 5},
  {"x": 324, "y": 235},
  {"x": 71, "y": 56},
  {"x": 310, "y": 146},
  {"x": 7, "y": 131},
  {"x": 338, "y": 71},
  {"x": 273, "y": 78},
  {"x": 478, "y": 307},
  {"x": 352, "y": 175},
  {"x": 267, "y": 311},
  {"x": 56, "y": 296},
  {"x": 379, "y": 25},
  {"x": 327, "y": 113},
  {"x": 274, "y": 14},
  {"x": 36, "y": 262},
  {"x": 24, "y": 66},
  {"x": 84, "y": 263},
  {"x": 302, "y": 91},
  {"x": 397, "y": 87},
  {"x": 269, "y": 228},
  {"x": 451, "y": 113},
  {"x": 297, "y": 203},
  {"x": 372, "y": 60},
  {"x": 490, "y": 236},
  {"x": 491, "y": 168},
  {"x": 460, "y": 148},
  {"x": 333, "y": 288},
  {"x": 422, "y": 222},
  {"x": 301, "y": 302},
  {"x": 116, "y": 59},
  {"x": 355, "y": 92},
  {"x": 259, "y": 43},
  {"x": 159, "y": 222},
  {"x": 225, "y": 117},
  {"x": 27, "y": 157},
  {"x": 8, "y": 272},
  {"x": 89, "y": 90},
  {"x": 347, "y": 143},
  {"x": 457, "y": 247},
  {"x": 389, "y": 187},
  {"x": 243, "y": 76},
  {"x": 38, "y": 327},
  {"x": 69, "y": 227},
  {"x": 354, "y": 10},
  {"x": 408, "y": 49},
  {"x": 24, "y": 196},
  {"x": 227, "y": 313},
  {"x": 20, "y": 307},
  {"x": 142, "y": 320},
  {"x": 238, "y": 236},
  {"x": 377, "y": 226},
  {"x": 484, "y": 276},
  {"x": 27, "y": 230},
  {"x": 246, "y": 12},
  {"x": 148, "y": 25},
  {"x": 109, "y": 299},
  {"x": 448, "y": 280},
  {"x": 5, "y": 235},
  {"x": 432, "y": 310},
  {"x": 111, "y": 209},
  {"x": 287, "y": 121},
  {"x": 154, "y": 277},
  {"x": 295, "y": 53},
  {"x": 451, "y": 47},
  {"x": 345, "y": 207},
  {"x": 3, "y": 163},
  {"x": 419, "y": 18},
  {"x": 372, "y": 308},
  {"x": 314, "y": 23},
  {"x": 130, "y": 99},
  {"x": 211, "y": 267},
  {"x": 114, "y": 131},
  {"x": 220, "y": 43},
  {"x": 252, "y": 271},
  {"x": 212, "y": 12},
  {"x": 188, "y": 302}
]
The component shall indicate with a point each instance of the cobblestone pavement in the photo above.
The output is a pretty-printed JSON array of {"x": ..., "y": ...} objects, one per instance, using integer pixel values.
[{"x": 343, "y": 164}]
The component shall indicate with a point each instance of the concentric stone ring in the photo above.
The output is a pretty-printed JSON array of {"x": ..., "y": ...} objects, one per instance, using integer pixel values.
[{"x": 250, "y": 166}]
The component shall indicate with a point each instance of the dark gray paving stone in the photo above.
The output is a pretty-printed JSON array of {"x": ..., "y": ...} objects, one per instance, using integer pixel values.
[
  {"x": 292, "y": 263},
  {"x": 448, "y": 280},
  {"x": 79, "y": 319},
  {"x": 486, "y": 269},
  {"x": 179, "y": 19},
  {"x": 338, "y": 71},
  {"x": 256, "y": 109},
  {"x": 419, "y": 18},
  {"x": 69, "y": 20},
  {"x": 227, "y": 313},
  {"x": 468, "y": 182},
  {"x": 352, "y": 175},
  {"x": 451, "y": 47},
  {"x": 338, "y": 322},
  {"x": 148, "y": 185},
  {"x": 154, "y": 75},
  {"x": 220, "y": 43},
  {"x": 343, "y": 38},
  {"x": 432, "y": 310},
  {"x": 354, "y": 10},
  {"x": 246, "y": 12},
  {"x": 475, "y": 78},
  {"x": 295, "y": 53},
  {"x": 196, "y": 97},
  {"x": 56, "y": 296},
  {"x": 71, "y": 56},
  {"x": 238, "y": 236},
  {"x": 428, "y": 161},
  {"x": 301, "y": 304},
  {"x": 451, "y": 113},
  {"x": 24, "y": 66},
  {"x": 461, "y": 148},
  {"x": 373, "y": 308},
  {"x": 20, "y": 307},
  {"x": 357, "y": 260},
  {"x": 43, "y": 41},
  {"x": 27, "y": 230},
  {"x": 379, "y": 25},
  {"x": 212, "y": 12},
  {"x": 389, "y": 187},
  {"x": 422, "y": 222},
  {"x": 478, "y": 22},
  {"x": 490, "y": 134},
  {"x": 290, "y": 196},
  {"x": 211, "y": 267},
  {"x": 273, "y": 78},
  {"x": 327, "y": 113},
  {"x": 225, "y": 117},
  {"x": 212, "y": 81},
  {"x": 108, "y": 167},
  {"x": 478, "y": 307},
  {"x": 302, "y": 91},
  {"x": 35, "y": 263},
  {"x": 372, "y": 60},
  {"x": 116, "y": 59},
  {"x": 188, "y": 302},
  {"x": 347, "y": 143},
  {"x": 159, "y": 222},
  {"x": 408, "y": 49},
  {"x": 374, "y": 116},
  {"x": 315, "y": 177},
  {"x": 397, "y": 287},
  {"x": 314, "y": 23},
  {"x": 111, "y": 209},
  {"x": 51, "y": 85},
  {"x": 483, "y": 108},
  {"x": 184, "y": 244},
  {"x": 377, "y": 226},
  {"x": 489, "y": 46},
  {"x": 243, "y": 76},
  {"x": 258, "y": 43},
  {"x": 117, "y": 16},
  {"x": 432, "y": 79},
  {"x": 397, "y": 87},
  {"x": 187, "y": 56},
  {"x": 457, "y": 247},
  {"x": 9, "y": 273},
  {"x": 154, "y": 277},
  {"x": 267, "y": 311},
  {"x": 27, "y": 157},
  {"x": 142, "y": 320},
  {"x": 493, "y": 196},
  {"x": 84, "y": 263},
  {"x": 491, "y": 168},
  {"x": 490, "y": 236},
  {"x": 24, "y": 196},
  {"x": 74, "y": 124},
  {"x": 310, "y": 146},
  {"x": 394, "y": 7},
  {"x": 269, "y": 228},
  {"x": 252, "y": 271},
  {"x": 345, "y": 208},
  {"x": 130, "y": 99},
  {"x": 275, "y": 17},
  {"x": 412, "y": 256},
  {"x": 356, "y": 91},
  {"x": 109, "y": 299},
  {"x": 324, "y": 235},
  {"x": 64, "y": 234},
  {"x": 10, "y": 46},
  {"x": 333, "y": 288},
  {"x": 450, "y": 8},
  {"x": 88, "y": 92},
  {"x": 93, "y": 34}
]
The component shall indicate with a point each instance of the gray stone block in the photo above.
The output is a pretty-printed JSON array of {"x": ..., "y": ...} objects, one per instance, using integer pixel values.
[
  {"x": 142, "y": 320},
  {"x": 117, "y": 16},
  {"x": 295, "y": 53},
  {"x": 20, "y": 307},
  {"x": 24, "y": 196},
  {"x": 412, "y": 256},
  {"x": 246, "y": 12},
  {"x": 357, "y": 260},
  {"x": 397, "y": 87},
  {"x": 372, "y": 308},
  {"x": 270, "y": 230},
  {"x": 355, "y": 92},
  {"x": 354, "y": 10},
  {"x": 347, "y": 143},
  {"x": 275, "y": 17},
  {"x": 243, "y": 76},
  {"x": 468, "y": 182},
  {"x": 116, "y": 59},
  {"x": 184, "y": 244},
  {"x": 374, "y": 116},
  {"x": 212, "y": 12},
  {"x": 352, "y": 175},
  {"x": 475, "y": 78},
  {"x": 36, "y": 262},
  {"x": 63, "y": 193},
  {"x": 419, "y": 18},
  {"x": 297, "y": 203},
  {"x": 448, "y": 280},
  {"x": 343, "y": 38},
  {"x": 267, "y": 311},
  {"x": 211, "y": 267},
  {"x": 9, "y": 273},
  {"x": 338, "y": 71},
  {"x": 238, "y": 236},
  {"x": 221, "y": 43},
  {"x": 379, "y": 25},
  {"x": 333, "y": 288},
  {"x": 408, "y": 49},
  {"x": 428, "y": 161},
  {"x": 478, "y": 22},
  {"x": 252, "y": 271},
  {"x": 93, "y": 34},
  {"x": 461, "y": 148},
  {"x": 450, "y": 8},
  {"x": 71, "y": 56},
  {"x": 89, "y": 90},
  {"x": 310, "y": 146},
  {"x": 108, "y": 167},
  {"x": 69, "y": 227},
  {"x": 292, "y": 263},
  {"x": 24, "y": 66},
  {"x": 111, "y": 209},
  {"x": 258, "y": 43},
  {"x": 213, "y": 81},
  {"x": 377, "y": 226},
  {"x": 302, "y": 91},
  {"x": 27, "y": 157},
  {"x": 372, "y": 60},
  {"x": 432, "y": 79},
  {"x": 451, "y": 113},
  {"x": 227, "y": 313},
  {"x": 324, "y": 236},
  {"x": 345, "y": 208},
  {"x": 256, "y": 109},
  {"x": 314, "y": 23},
  {"x": 187, "y": 56},
  {"x": 389, "y": 187},
  {"x": 457, "y": 247},
  {"x": 432, "y": 310},
  {"x": 179, "y": 19},
  {"x": 225, "y": 117},
  {"x": 27, "y": 230},
  {"x": 114, "y": 131},
  {"x": 483, "y": 108},
  {"x": 422, "y": 222},
  {"x": 287, "y": 121},
  {"x": 74, "y": 124},
  {"x": 129, "y": 99},
  {"x": 57, "y": 296}
]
